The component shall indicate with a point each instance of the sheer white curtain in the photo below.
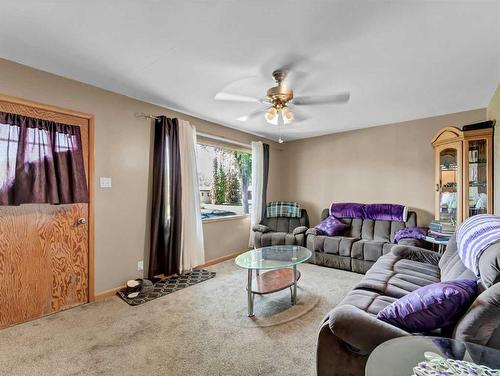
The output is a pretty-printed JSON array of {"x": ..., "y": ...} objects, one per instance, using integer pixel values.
[
  {"x": 257, "y": 186},
  {"x": 192, "y": 248}
]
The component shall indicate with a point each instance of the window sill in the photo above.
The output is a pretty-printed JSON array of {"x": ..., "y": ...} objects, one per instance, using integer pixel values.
[{"x": 226, "y": 218}]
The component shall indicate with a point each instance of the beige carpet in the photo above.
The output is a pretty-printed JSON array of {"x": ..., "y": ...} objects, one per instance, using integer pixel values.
[{"x": 200, "y": 330}]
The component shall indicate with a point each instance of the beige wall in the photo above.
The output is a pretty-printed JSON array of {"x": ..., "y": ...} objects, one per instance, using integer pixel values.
[
  {"x": 493, "y": 113},
  {"x": 391, "y": 163},
  {"x": 123, "y": 152}
]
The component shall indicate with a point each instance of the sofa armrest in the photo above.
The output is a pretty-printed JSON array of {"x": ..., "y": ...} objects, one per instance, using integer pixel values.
[
  {"x": 361, "y": 330},
  {"x": 299, "y": 230},
  {"x": 416, "y": 254},
  {"x": 421, "y": 243},
  {"x": 312, "y": 231},
  {"x": 261, "y": 228}
]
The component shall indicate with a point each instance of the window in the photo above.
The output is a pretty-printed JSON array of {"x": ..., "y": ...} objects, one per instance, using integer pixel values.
[
  {"x": 225, "y": 181},
  {"x": 9, "y": 138}
]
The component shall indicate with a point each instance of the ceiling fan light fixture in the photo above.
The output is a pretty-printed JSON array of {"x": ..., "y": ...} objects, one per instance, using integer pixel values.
[
  {"x": 271, "y": 116},
  {"x": 287, "y": 115}
]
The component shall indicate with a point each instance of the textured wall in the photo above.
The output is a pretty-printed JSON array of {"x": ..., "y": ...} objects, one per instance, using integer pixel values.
[
  {"x": 493, "y": 113},
  {"x": 123, "y": 152},
  {"x": 391, "y": 163}
]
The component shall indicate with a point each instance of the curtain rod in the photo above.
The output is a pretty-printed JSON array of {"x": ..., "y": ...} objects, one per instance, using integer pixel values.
[
  {"x": 202, "y": 134},
  {"x": 147, "y": 116},
  {"x": 223, "y": 139}
]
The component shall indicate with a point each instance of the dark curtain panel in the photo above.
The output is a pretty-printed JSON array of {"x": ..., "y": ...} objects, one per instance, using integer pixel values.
[
  {"x": 265, "y": 178},
  {"x": 40, "y": 162},
  {"x": 166, "y": 199}
]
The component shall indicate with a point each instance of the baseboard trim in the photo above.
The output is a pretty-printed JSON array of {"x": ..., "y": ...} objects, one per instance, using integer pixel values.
[
  {"x": 108, "y": 293},
  {"x": 220, "y": 259}
]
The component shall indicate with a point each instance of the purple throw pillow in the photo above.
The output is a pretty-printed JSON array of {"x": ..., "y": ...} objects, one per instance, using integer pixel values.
[
  {"x": 430, "y": 307},
  {"x": 411, "y": 233},
  {"x": 331, "y": 226}
]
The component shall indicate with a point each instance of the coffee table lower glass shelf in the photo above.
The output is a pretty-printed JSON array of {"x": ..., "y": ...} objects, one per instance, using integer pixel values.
[{"x": 281, "y": 262}]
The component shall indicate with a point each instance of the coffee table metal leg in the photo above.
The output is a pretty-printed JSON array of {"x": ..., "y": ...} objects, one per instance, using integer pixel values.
[
  {"x": 250, "y": 294},
  {"x": 294, "y": 299}
]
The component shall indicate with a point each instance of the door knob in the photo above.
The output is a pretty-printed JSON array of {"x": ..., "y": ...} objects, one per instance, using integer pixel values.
[{"x": 82, "y": 221}]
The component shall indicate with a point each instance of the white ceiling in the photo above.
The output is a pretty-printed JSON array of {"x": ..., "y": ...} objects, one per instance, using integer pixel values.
[{"x": 400, "y": 60}]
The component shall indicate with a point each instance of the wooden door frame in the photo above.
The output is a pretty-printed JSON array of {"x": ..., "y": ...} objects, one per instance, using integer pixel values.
[{"x": 91, "y": 170}]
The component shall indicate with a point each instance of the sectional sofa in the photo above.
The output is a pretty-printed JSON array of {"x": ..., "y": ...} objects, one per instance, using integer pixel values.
[
  {"x": 361, "y": 245},
  {"x": 351, "y": 330}
]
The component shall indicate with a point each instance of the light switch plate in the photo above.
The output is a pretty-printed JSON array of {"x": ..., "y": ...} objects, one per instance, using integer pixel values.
[{"x": 105, "y": 182}]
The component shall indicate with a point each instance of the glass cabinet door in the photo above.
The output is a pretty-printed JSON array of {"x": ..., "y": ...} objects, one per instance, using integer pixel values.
[
  {"x": 448, "y": 186},
  {"x": 477, "y": 171}
]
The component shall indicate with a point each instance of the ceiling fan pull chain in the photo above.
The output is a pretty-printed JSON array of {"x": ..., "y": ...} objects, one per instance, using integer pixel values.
[{"x": 280, "y": 123}]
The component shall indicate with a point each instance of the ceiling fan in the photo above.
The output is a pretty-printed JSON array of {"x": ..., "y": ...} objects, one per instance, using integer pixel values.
[{"x": 280, "y": 98}]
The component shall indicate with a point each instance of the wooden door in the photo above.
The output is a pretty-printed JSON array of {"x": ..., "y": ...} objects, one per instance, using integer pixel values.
[{"x": 45, "y": 259}]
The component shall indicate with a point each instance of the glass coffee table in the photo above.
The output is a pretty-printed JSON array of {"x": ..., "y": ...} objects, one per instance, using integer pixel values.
[
  {"x": 418, "y": 355},
  {"x": 281, "y": 262}
]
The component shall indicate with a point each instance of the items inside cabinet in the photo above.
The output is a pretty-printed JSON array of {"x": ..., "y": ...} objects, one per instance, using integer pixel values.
[{"x": 463, "y": 172}]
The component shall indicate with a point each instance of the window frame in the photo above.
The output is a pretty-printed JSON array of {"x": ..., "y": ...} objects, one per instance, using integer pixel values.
[{"x": 233, "y": 147}]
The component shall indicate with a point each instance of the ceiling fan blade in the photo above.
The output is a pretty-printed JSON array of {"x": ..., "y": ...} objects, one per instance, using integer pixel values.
[
  {"x": 298, "y": 117},
  {"x": 295, "y": 79},
  {"x": 221, "y": 96},
  {"x": 251, "y": 116},
  {"x": 322, "y": 99}
]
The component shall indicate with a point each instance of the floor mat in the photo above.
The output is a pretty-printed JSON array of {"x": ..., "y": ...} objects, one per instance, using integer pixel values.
[{"x": 170, "y": 285}]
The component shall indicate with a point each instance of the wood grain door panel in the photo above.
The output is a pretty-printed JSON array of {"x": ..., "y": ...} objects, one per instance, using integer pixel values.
[
  {"x": 45, "y": 263},
  {"x": 43, "y": 260}
]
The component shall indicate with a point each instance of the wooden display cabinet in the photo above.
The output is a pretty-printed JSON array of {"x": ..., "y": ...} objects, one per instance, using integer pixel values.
[{"x": 463, "y": 173}]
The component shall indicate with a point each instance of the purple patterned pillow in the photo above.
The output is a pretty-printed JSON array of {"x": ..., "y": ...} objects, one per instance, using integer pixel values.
[
  {"x": 411, "y": 233},
  {"x": 430, "y": 307},
  {"x": 331, "y": 226}
]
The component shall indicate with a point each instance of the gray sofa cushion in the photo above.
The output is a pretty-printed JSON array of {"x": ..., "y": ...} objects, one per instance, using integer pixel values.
[
  {"x": 277, "y": 238},
  {"x": 261, "y": 228},
  {"x": 367, "y": 229},
  {"x": 481, "y": 323},
  {"x": 395, "y": 276},
  {"x": 299, "y": 230},
  {"x": 331, "y": 260},
  {"x": 364, "y": 241},
  {"x": 451, "y": 266},
  {"x": 489, "y": 265},
  {"x": 281, "y": 231},
  {"x": 416, "y": 254},
  {"x": 369, "y": 250},
  {"x": 331, "y": 244},
  {"x": 285, "y": 224},
  {"x": 361, "y": 329},
  {"x": 368, "y": 301}
]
